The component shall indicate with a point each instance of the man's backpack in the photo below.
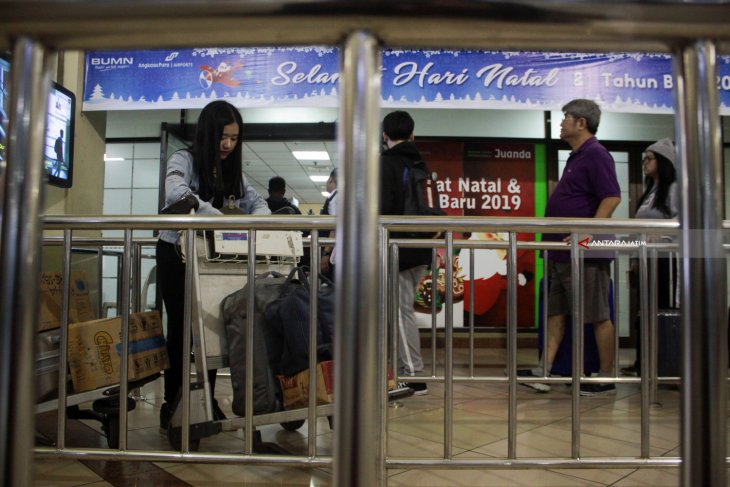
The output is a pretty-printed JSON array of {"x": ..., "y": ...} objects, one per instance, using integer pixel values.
[{"x": 419, "y": 188}]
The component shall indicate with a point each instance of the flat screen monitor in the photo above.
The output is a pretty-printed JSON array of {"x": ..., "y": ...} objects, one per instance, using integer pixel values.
[
  {"x": 4, "y": 91},
  {"x": 59, "y": 143}
]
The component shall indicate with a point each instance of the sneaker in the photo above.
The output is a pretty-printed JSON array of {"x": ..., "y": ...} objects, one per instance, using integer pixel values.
[
  {"x": 535, "y": 386},
  {"x": 165, "y": 415},
  {"x": 218, "y": 414},
  {"x": 419, "y": 388},
  {"x": 631, "y": 371},
  {"x": 598, "y": 389}
]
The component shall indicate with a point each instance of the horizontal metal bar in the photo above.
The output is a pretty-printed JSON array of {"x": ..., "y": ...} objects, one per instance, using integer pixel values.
[
  {"x": 175, "y": 222},
  {"x": 519, "y": 24},
  {"x": 539, "y": 463},
  {"x": 268, "y": 222},
  {"x": 401, "y": 242},
  {"x": 95, "y": 242},
  {"x": 527, "y": 245},
  {"x": 162, "y": 456},
  {"x": 529, "y": 224}
]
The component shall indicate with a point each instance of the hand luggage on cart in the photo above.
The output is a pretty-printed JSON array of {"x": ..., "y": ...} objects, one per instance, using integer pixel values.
[
  {"x": 234, "y": 310},
  {"x": 287, "y": 321}
]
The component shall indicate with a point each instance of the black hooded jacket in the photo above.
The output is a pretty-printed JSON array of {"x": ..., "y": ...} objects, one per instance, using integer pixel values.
[
  {"x": 392, "y": 197},
  {"x": 276, "y": 204}
]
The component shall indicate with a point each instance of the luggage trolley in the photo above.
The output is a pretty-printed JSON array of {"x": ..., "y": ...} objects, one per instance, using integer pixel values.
[{"x": 220, "y": 268}]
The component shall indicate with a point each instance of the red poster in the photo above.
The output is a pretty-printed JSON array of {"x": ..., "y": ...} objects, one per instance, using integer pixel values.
[{"x": 489, "y": 179}]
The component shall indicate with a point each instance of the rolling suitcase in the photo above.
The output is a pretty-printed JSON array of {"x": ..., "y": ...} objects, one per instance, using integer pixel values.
[
  {"x": 668, "y": 338},
  {"x": 234, "y": 309}
]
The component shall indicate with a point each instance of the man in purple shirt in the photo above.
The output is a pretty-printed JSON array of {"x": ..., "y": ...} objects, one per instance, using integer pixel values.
[{"x": 588, "y": 188}]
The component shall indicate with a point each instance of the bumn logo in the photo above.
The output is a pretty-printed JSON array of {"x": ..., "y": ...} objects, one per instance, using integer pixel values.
[{"x": 112, "y": 61}]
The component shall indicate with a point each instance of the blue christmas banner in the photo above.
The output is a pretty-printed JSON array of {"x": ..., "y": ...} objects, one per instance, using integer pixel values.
[
  {"x": 140, "y": 80},
  {"x": 309, "y": 77}
]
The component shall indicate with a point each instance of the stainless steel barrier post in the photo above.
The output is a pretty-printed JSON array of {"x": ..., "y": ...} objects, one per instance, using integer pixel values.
[
  {"x": 20, "y": 198},
  {"x": 512, "y": 344},
  {"x": 703, "y": 319},
  {"x": 617, "y": 311},
  {"x": 544, "y": 309},
  {"x": 576, "y": 264},
  {"x": 393, "y": 307},
  {"x": 251, "y": 281},
  {"x": 383, "y": 352},
  {"x": 187, "y": 339},
  {"x": 448, "y": 349},
  {"x": 435, "y": 271},
  {"x": 136, "y": 284},
  {"x": 651, "y": 361},
  {"x": 471, "y": 314},
  {"x": 63, "y": 345},
  {"x": 646, "y": 373},
  {"x": 100, "y": 280},
  {"x": 124, "y": 359},
  {"x": 313, "y": 313},
  {"x": 357, "y": 440}
]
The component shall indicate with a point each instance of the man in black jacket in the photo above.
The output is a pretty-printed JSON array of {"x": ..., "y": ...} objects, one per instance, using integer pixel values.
[
  {"x": 398, "y": 136},
  {"x": 277, "y": 202}
]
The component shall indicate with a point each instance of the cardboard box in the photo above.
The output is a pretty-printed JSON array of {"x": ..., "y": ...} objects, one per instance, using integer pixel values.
[
  {"x": 94, "y": 350},
  {"x": 295, "y": 389},
  {"x": 79, "y": 305}
]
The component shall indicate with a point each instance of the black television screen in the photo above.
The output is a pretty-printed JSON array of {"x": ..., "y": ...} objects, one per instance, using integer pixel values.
[
  {"x": 4, "y": 88},
  {"x": 59, "y": 147}
]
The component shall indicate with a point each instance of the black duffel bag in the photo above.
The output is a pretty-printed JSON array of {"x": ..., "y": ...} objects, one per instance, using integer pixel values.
[{"x": 288, "y": 317}]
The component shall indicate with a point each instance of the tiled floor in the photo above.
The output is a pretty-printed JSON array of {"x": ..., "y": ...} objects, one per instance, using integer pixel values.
[{"x": 609, "y": 427}]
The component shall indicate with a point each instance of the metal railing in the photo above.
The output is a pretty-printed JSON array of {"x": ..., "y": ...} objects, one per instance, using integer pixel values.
[
  {"x": 101, "y": 247},
  {"x": 690, "y": 31},
  {"x": 388, "y": 295}
]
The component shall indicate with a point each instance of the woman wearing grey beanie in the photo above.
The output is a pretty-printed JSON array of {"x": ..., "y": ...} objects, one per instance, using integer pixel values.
[{"x": 658, "y": 201}]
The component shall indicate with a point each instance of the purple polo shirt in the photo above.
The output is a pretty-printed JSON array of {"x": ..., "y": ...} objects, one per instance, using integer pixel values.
[{"x": 588, "y": 178}]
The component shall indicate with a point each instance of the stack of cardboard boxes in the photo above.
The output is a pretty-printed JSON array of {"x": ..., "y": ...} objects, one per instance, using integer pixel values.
[{"x": 94, "y": 345}]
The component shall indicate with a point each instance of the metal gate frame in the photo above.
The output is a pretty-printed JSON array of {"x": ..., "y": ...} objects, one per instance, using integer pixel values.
[{"x": 691, "y": 32}]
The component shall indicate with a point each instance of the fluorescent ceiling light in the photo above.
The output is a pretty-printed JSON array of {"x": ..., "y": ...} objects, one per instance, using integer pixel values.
[
  {"x": 311, "y": 155},
  {"x": 112, "y": 158},
  {"x": 319, "y": 179},
  {"x": 325, "y": 194}
]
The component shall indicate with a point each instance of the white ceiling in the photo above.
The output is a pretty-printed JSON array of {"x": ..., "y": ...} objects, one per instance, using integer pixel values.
[{"x": 264, "y": 160}]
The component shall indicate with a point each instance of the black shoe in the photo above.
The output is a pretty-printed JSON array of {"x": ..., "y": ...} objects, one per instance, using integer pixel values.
[
  {"x": 631, "y": 370},
  {"x": 217, "y": 412},
  {"x": 419, "y": 388},
  {"x": 535, "y": 386},
  {"x": 597, "y": 389},
  {"x": 165, "y": 415}
]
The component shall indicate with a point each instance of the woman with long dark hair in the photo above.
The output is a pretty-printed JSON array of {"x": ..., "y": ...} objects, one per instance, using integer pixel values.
[
  {"x": 210, "y": 170},
  {"x": 659, "y": 201}
]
